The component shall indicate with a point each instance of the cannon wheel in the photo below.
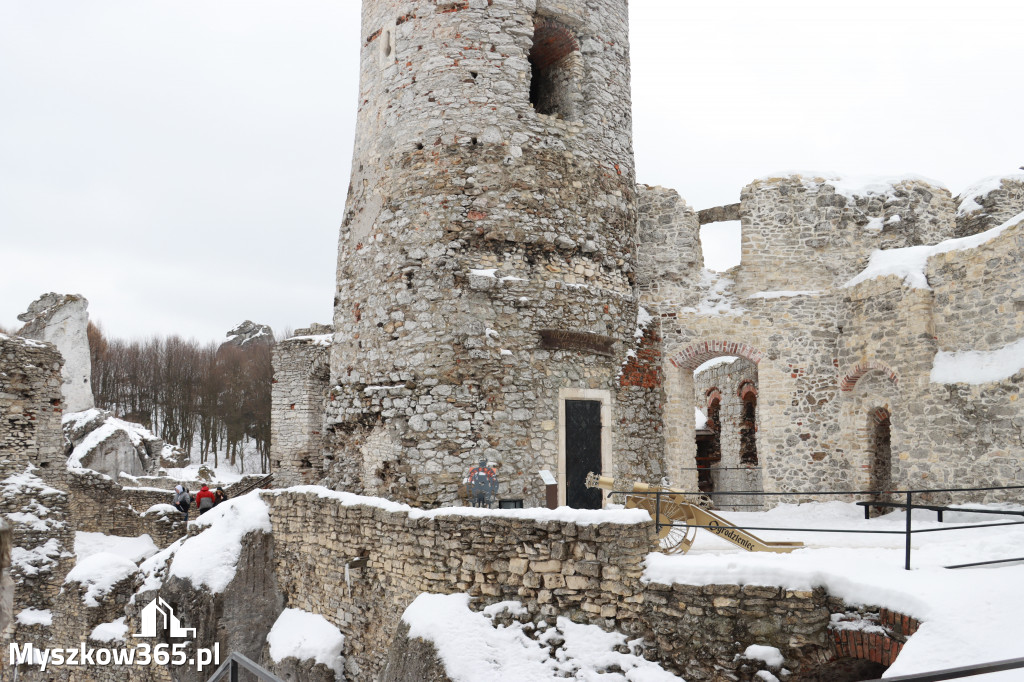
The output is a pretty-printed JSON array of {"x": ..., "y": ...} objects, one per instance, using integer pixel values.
[
  {"x": 677, "y": 538},
  {"x": 674, "y": 539}
]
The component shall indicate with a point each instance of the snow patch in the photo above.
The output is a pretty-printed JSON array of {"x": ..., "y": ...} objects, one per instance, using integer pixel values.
[
  {"x": 305, "y": 635},
  {"x": 978, "y": 366},
  {"x": 32, "y": 616},
  {"x": 134, "y": 549},
  {"x": 473, "y": 649},
  {"x": 314, "y": 339},
  {"x": 98, "y": 573},
  {"x": 110, "y": 632},
  {"x": 36, "y": 560},
  {"x": 771, "y": 656},
  {"x": 700, "y": 419},
  {"x": 715, "y": 362},
  {"x": 782, "y": 294}
]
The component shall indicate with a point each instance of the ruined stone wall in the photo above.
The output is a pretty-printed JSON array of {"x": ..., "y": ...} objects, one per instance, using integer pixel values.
[
  {"x": 983, "y": 207},
  {"x": 102, "y": 506},
  {"x": 30, "y": 407},
  {"x": 298, "y": 398},
  {"x": 844, "y": 373},
  {"x": 810, "y": 234},
  {"x": 474, "y": 222},
  {"x": 588, "y": 572}
]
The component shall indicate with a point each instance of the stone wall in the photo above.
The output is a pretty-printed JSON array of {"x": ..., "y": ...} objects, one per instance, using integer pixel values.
[
  {"x": 30, "y": 407},
  {"x": 298, "y": 398},
  {"x": 988, "y": 204},
  {"x": 368, "y": 559},
  {"x": 475, "y": 221},
  {"x": 6, "y": 582},
  {"x": 63, "y": 320},
  {"x": 809, "y": 234},
  {"x": 103, "y": 506},
  {"x": 588, "y": 572},
  {"x": 845, "y": 396}
]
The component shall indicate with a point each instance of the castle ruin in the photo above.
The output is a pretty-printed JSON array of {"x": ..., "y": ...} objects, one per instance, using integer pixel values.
[{"x": 507, "y": 292}]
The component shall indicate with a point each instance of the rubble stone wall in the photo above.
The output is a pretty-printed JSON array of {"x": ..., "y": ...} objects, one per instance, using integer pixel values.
[
  {"x": 834, "y": 362},
  {"x": 298, "y": 397},
  {"x": 589, "y": 572},
  {"x": 31, "y": 406}
]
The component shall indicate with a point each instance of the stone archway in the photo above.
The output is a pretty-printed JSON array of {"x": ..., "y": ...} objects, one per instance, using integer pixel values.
[
  {"x": 712, "y": 460},
  {"x": 869, "y": 421}
]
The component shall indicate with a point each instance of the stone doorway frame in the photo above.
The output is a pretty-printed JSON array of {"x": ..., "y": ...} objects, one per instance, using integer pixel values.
[{"x": 604, "y": 397}]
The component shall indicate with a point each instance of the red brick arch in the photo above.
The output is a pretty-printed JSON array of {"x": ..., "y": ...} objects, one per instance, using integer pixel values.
[
  {"x": 747, "y": 390},
  {"x": 871, "y": 644},
  {"x": 693, "y": 356},
  {"x": 861, "y": 368}
]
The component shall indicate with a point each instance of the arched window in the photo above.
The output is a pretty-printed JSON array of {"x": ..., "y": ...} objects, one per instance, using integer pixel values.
[
  {"x": 748, "y": 423},
  {"x": 554, "y": 64}
]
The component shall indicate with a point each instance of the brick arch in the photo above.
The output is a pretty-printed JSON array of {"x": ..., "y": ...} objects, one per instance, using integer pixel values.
[
  {"x": 551, "y": 42},
  {"x": 746, "y": 390},
  {"x": 713, "y": 394},
  {"x": 693, "y": 356},
  {"x": 861, "y": 368}
]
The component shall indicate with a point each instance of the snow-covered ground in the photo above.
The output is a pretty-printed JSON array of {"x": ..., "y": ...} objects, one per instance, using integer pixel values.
[{"x": 969, "y": 615}]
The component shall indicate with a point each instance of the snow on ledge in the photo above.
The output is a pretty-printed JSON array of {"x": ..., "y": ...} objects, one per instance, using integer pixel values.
[
  {"x": 314, "y": 339},
  {"x": 98, "y": 573},
  {"x": 852, "y": 186},
  {"x": 978, "y": 366},
  {"x": 910, "y": 262},
  {"x": 211, "y": 557},
  {"x": 110, "y": 632},
  {"x": 783, "y": 294},
  {"x": 769, "y": 654},
  {"x": 303, "y": 635},
  {"x": 581, "y": 517}
]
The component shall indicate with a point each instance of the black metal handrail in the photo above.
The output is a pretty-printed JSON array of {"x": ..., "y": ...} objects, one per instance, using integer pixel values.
[
  {"x": 252, "y": 486},
  {"x": 958, "y": 673},
  {"x": 908, "y": 506},
  {"x": 229, "y": 670}
]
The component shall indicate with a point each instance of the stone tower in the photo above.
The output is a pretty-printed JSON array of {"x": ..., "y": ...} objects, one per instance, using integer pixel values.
[{"x": 486, "y": 306}]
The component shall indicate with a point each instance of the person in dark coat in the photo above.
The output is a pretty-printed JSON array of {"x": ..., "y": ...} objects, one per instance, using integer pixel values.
[{"x": 219, "y": 496}]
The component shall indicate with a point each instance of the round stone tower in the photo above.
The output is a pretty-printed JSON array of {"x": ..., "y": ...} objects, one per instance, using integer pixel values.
[{"x": 485, "y": 304}]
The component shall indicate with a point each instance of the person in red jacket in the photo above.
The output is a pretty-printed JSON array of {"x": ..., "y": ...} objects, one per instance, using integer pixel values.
[{"x": 205, "y": 499}]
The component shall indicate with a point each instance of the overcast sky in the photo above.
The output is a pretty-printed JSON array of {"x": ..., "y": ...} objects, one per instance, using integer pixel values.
[{"x": 183, "y": 164}]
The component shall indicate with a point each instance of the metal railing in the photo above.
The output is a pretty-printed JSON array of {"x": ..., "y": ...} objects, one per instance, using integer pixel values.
[
  {"x": 958, "y": 673},
  {"x": 236, "y": 662},
  {"x": 908, "y": 506},
  {"x": 261, "y": 483}
]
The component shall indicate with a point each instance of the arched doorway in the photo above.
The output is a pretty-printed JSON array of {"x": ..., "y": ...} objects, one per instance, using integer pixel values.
[{"x": 880, "y": 427}]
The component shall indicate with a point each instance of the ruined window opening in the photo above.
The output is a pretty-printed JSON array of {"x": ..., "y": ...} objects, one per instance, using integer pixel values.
[
  {"x": 748, "y": 430},
  {"x": 709, "y": 446},
  {"x": 881, "y": 451},
  {"x": 386, "y": 44},
  {"x": 554, "y": 67}
]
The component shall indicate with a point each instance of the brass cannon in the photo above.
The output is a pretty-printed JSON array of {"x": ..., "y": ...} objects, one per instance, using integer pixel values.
[{"x": 682, "y": 514}]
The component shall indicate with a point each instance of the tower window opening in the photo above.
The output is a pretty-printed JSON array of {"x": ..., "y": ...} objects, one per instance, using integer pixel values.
[{"x": 554, "y": 69}]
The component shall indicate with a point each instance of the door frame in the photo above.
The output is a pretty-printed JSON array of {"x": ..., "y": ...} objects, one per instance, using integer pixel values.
[{"x": 597, "y": 395}]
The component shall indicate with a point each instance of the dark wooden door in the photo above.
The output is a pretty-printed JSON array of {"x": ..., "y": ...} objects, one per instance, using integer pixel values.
[{"x": 582, "y": 452}]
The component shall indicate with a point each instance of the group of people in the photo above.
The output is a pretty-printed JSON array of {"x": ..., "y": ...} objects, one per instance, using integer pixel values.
[{"x": 205, "y": 499}]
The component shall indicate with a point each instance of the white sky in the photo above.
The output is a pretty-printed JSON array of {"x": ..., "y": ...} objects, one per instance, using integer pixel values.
[{"x": 183, "y": 164}]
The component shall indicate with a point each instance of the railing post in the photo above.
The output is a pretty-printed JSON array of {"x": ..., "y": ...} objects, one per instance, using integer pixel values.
[
  {"x": 910, "y": 508},
  {"x": 234, "y": 670},
  {"x": 657, "y": 512}
]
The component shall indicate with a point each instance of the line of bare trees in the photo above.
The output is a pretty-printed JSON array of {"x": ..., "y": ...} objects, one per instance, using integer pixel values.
[{"x": 206, "y": 397}]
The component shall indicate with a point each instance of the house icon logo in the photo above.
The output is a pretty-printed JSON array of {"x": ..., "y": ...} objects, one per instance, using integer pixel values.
[{"x": 158, "y": 611}]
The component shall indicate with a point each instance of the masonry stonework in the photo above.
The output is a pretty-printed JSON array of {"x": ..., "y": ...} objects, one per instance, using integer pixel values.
[
  {"x": 847, "y": 398},
  {"x": 487, "y": 258}
]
